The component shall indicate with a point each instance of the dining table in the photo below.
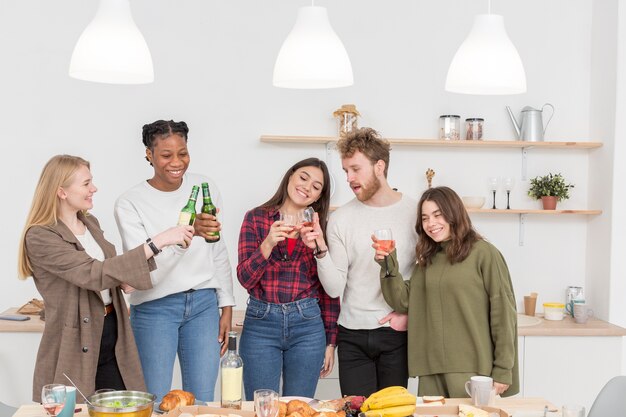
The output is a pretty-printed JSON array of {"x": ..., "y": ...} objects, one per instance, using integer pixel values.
[{"x": 513, "y": 405}]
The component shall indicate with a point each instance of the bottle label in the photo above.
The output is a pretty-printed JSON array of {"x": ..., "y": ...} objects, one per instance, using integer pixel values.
[
  {"x": 231, "y": 384},
  {"x": 184, "y": 218}
]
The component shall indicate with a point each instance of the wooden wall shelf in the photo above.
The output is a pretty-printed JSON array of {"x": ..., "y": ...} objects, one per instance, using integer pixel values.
[
  {"x": 529, "y": 211},
  {"x": 444, "y": 143}
]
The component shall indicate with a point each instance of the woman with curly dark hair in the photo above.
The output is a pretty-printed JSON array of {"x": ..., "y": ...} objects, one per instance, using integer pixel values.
[{"x": 181, "y": 314}]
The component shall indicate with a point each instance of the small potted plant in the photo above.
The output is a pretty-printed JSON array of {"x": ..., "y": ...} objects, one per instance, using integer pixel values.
[{"x": 550, "y": 189}]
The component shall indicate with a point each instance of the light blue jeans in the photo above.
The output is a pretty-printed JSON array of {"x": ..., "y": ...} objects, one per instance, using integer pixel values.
[
  {"x": 186, "y": 323},
  {"x": 282, "y": 338}
]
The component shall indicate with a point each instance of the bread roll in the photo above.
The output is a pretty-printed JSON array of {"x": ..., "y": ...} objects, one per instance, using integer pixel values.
[{"x": 176, "y": 398}]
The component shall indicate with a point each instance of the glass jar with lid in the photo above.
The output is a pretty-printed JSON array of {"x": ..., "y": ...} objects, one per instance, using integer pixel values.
[
  {"x": 449, "y": 127},
  {"x": 474, "y": 128},
  {"x": 347, "y": 118}
]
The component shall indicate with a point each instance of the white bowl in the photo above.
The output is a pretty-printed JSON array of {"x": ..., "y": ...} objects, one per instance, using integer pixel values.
[{"x": 473, "y": 202}]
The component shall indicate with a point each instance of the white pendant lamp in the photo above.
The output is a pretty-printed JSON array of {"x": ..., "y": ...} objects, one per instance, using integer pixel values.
[
  {"x": 111, "y": 49},
  {"x": 312, "y": 56},
  {"x": 487, "y": 61}
]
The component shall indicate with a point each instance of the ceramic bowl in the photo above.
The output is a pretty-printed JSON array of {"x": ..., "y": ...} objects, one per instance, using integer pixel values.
[{"x": 473, "y": 202}]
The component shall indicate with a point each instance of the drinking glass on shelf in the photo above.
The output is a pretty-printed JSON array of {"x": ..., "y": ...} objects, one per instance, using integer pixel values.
[
  {"x": 266, "y": 403},
  {"x": 53, "y": 398},
  {"x": 385, "y": 242},
  {"x": 306, "y": 219},
  {"x": 494, "y": 184},
  {"x": 508, "y": 183}
]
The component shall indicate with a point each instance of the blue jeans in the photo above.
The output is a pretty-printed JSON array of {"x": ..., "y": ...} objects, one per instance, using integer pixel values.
[
  {"x": 282, "y": 338},
  {"x": 186, "y": 323}
]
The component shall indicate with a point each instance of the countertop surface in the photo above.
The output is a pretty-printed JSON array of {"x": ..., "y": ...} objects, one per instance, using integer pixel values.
[
  {"x": 510, "y": 405},
  {"x": 565, "y": 327},
  {"x": 35, "y": 324}
]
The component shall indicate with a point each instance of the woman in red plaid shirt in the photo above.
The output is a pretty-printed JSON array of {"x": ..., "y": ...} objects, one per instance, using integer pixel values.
[{"x": 290, "y": 327}]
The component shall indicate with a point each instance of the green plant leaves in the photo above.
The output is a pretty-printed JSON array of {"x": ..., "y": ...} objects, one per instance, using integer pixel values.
[{"x": 549, "y": 185}]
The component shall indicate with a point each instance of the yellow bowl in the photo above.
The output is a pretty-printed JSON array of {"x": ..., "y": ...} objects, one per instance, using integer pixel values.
[{"x": 121, "y": 404}]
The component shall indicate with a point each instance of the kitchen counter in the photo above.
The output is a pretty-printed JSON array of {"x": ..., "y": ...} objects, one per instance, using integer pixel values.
[
  {"x": 35, "y": 324},
  {"x": 565, "y": 327},
  {"x": 568, "y": 327}
]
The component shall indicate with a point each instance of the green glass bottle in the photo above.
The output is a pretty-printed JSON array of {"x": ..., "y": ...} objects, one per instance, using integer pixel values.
[
  {"x": 188, "y": 214},
  {"x": 209, "y": 208}
]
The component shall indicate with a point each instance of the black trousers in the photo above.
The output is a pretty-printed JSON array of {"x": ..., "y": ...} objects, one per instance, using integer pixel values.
[
  {"x": 108, "y": 374},
  {"x": 370, "y": 360}
]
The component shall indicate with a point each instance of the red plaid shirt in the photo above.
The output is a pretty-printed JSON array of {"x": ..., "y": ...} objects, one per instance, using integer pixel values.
[{"x": 283, "y": 278}]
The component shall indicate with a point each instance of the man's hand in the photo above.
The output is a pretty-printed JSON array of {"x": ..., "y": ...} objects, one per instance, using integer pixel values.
[{"x": 397, "y": 321}]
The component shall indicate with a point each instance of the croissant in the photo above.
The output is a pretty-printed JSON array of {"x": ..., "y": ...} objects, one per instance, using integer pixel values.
[{"x": 176, "y": 398}]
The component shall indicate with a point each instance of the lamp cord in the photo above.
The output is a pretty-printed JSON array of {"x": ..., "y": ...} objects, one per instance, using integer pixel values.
[{"x": 488, "y": 6}]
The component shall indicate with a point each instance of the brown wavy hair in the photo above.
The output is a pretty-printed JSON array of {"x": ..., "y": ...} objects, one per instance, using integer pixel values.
[
  {"x": 321, "y": 206},
  {"x": 462, "y": 233}
]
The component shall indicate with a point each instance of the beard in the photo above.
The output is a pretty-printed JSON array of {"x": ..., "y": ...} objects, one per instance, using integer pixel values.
[{"x": 369, "y": 188}]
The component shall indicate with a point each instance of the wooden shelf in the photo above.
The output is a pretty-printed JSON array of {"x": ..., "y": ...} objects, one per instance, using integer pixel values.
[
  {"x": 444, "y": 143},
  {"x": 530, "y": 211},
  {"x": 522, "y": 211}
]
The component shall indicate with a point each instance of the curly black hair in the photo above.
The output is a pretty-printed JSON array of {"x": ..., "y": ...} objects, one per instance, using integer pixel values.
[{"x": 160, "y": 130}]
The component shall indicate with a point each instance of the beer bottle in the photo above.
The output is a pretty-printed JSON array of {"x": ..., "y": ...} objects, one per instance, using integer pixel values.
[
  {"x": 188, "y": 214},
  {"x": 209, "y": 208}
]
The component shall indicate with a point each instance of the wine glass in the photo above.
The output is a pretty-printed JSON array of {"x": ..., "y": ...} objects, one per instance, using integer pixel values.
[
  {"x": 266, "y": 403},
  {"x": 306, "y": 218},
  {"x": 53, "y": 398},
  {"x": 508, "y": 183},
  {"x": 494, "y": 184},
  {"x": 289, "y": 220},
  {"x": 385, "y": 242}
]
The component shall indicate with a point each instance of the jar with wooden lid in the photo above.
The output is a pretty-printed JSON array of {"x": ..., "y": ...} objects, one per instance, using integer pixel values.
[{"x": 347, "y": 119}]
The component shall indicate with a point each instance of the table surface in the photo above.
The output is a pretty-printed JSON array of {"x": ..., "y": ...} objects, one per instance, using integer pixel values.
[{"x": 510, "y": 405}]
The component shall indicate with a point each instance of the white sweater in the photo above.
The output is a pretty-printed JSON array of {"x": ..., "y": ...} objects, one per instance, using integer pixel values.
[
  {"x": 143, "y": 211},
  {"x": 349, "y": 270}
]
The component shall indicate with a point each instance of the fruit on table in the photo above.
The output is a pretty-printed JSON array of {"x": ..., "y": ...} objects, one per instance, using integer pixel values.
[{"x": 389, "y": 402}]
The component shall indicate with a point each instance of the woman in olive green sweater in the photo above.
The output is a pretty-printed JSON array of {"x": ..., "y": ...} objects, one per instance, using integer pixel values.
[{"x": 460, "y": 302}]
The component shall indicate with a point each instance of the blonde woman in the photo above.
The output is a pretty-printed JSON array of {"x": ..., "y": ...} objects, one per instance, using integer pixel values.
[{"x": 76, "y": 271}]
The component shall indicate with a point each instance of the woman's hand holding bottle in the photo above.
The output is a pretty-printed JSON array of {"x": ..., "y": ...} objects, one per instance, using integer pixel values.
[{"x": 177, "y": 235}]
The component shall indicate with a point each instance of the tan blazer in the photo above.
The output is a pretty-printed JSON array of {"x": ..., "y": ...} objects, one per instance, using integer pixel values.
[{"x": 70, "y": 282}]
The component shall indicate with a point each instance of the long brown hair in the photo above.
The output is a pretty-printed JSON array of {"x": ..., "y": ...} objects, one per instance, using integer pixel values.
[
  {"x": 57, "y": 172},
  {"x": 462, "y": 233},
  {"x": 320, "y": 206}
]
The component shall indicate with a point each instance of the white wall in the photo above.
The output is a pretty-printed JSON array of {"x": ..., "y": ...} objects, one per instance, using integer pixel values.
[{"x": 213, "y": 66}]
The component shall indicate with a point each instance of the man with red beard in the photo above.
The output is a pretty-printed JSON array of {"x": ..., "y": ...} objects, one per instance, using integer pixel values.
[{"x": 372, "y": 339}]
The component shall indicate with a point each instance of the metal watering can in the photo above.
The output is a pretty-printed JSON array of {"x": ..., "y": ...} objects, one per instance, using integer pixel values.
[{"x": 530, "y": 127}]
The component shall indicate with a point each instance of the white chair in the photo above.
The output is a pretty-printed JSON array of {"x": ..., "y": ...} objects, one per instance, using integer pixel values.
[
  {"x": 611, "y": 401},
  {"x": 6, "y": 410}
]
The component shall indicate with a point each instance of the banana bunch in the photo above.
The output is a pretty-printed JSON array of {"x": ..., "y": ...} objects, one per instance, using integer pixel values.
[{"x": 389, "y": 402}]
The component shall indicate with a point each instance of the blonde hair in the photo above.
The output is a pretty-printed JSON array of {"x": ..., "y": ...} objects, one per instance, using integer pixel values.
[{"x": 57, "y": 173}]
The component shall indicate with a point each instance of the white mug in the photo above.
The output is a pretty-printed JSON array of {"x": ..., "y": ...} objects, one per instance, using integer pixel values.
[
  {"x": 582, "y": 313},
  {"x": 480, "y": 388}
]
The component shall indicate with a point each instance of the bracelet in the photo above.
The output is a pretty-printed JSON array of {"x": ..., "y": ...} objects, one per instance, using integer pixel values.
[
  {"x": 153, "y": 247},
  {"x": 317, "y": 253}
]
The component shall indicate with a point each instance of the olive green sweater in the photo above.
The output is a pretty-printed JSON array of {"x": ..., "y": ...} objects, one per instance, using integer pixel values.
[{"x": 462, "y": 316}]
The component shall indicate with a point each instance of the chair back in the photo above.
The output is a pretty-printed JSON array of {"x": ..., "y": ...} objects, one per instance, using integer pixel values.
[
  {"x": 6, "y": 410},
  {"x": 611, "y": 401}
]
